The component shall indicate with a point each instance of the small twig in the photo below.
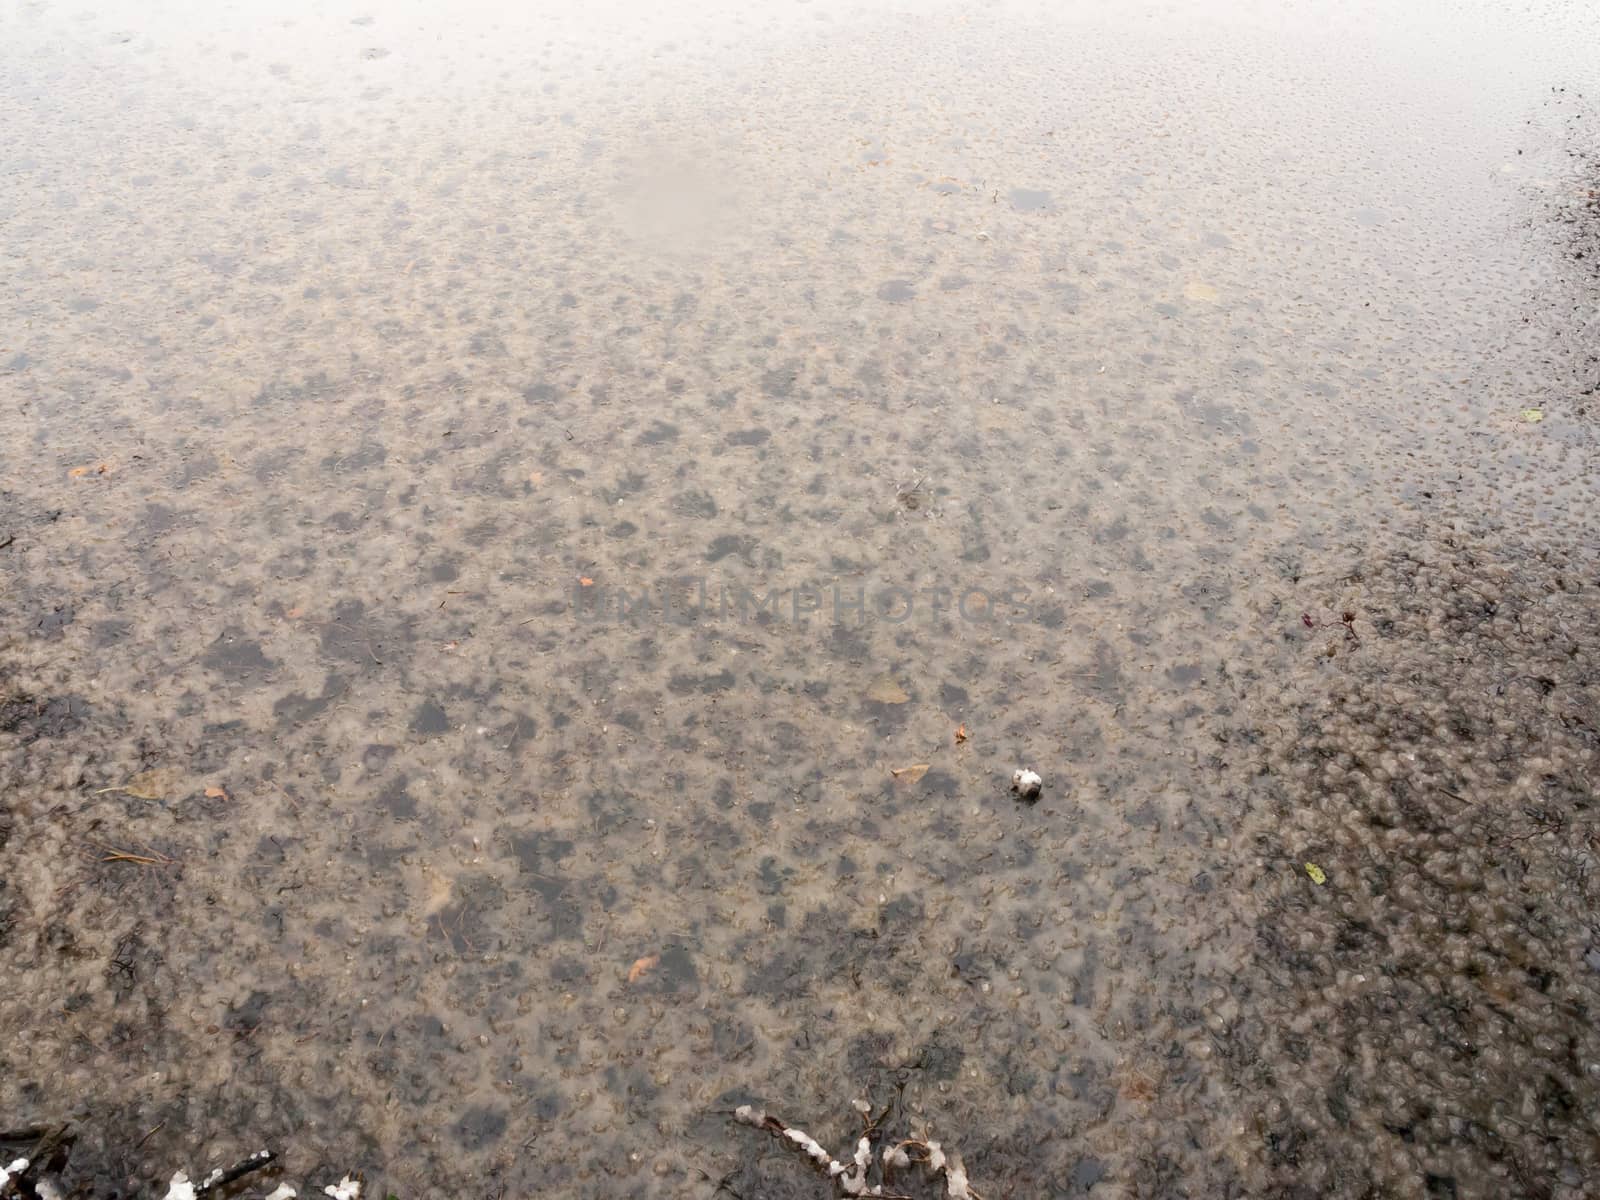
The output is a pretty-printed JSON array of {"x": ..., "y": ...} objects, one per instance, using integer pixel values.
[
  {"x": 220, "y": 1178},
  {"x": 286, "y": 796},
  {"x": 360, "y": 638},
  {"x": 24, "y": 1182},
  {"x": 153, "y": 859}
]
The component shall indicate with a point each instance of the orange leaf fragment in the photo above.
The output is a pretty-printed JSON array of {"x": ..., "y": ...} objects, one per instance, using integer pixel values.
[
  {"x": 961, "y": 733},
  {"x": 643, "y": 967},
  {"x": 585, "y": 581},
  {"x": 216, "y": 793}
]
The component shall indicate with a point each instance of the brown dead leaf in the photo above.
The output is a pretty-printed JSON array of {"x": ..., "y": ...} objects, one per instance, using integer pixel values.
[
  {"x": 910, "y": 774},
  {"x": 642, "y": 967},
  {"x": 1138, "y": 1086}
]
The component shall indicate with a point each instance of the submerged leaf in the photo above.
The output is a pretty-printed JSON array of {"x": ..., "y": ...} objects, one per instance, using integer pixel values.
[
  {"x": 1533, "y": 415},
  {"x": 155, "y": 784},
  {"x": 885, "y": 690}
]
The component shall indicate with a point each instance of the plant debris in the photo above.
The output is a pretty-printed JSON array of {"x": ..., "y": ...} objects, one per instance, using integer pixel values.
[
  {"x": 1026, "y": 783},
  {"x": 884, "y": 690},
  {"x": 851, "y": 1175}
]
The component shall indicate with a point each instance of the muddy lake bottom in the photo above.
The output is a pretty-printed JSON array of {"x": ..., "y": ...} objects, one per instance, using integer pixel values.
[{"x": 531, "y": 546}]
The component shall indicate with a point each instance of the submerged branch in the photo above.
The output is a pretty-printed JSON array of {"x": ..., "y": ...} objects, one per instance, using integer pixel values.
[{"x": 851, "y": 1175}]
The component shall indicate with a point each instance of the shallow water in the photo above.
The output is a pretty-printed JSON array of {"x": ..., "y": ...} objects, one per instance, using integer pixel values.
[{"x": 500, "y": 500}]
